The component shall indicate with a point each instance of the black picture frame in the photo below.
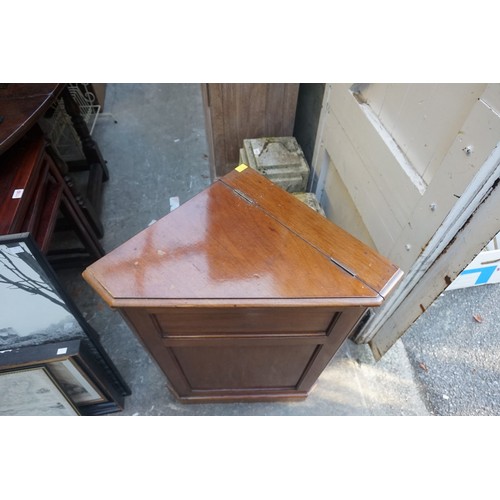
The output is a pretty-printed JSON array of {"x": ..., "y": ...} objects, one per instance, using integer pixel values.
[{"x": 36, "y": 312}]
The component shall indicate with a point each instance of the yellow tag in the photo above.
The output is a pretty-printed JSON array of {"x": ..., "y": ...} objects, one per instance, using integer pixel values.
[{"x": 241, "y": 167}]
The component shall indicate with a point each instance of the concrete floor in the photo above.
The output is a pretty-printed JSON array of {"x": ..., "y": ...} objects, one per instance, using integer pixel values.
[
  {"x": 461, "y": 356},
  {"x": 156, "y": 150}
]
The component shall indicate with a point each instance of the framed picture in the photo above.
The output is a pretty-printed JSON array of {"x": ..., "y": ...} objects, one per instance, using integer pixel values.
[
  {"x": 73, "y": 370},
  {"x": 36, "y": 313},
  {"x": 32, "y": 311},
  {"x": 33, "y": 392},
  {"x": 74, "y": 383}
]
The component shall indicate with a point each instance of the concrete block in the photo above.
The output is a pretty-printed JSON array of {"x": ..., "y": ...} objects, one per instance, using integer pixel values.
[
  {"x": 280, "y": 159},
  {"x": 310, "y": 200}
]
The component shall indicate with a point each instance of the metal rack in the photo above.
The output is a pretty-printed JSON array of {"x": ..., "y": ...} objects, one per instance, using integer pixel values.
[
  {"x": 86, "y": 100},
  {"x": 58, "y": 126}
]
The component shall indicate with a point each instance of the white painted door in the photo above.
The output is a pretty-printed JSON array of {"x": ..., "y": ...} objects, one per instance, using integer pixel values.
[{"x": 394, "y": 161}]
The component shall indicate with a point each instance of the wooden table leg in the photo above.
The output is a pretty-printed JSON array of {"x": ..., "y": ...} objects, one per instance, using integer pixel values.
[
  {"x": 90, "y": 147},
  {"x": 71, "y": 208},
  {"x": 94, "y": 163}
]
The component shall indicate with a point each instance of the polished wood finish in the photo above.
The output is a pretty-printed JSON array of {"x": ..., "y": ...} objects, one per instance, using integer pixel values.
[
  {"x": 243, "y": 292},
  {"x": 20, "y": 171},
  {"x": 27, "y": 167},
  {"x": 21, "y": 106},
  {"x": 237, "y": 111},
  {"x": 347, "y": 252}
]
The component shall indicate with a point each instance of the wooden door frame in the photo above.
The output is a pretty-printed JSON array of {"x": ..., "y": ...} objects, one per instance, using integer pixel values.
[
  {"x": 467, "y": 229},
  {"x": 460, "y": 236}
]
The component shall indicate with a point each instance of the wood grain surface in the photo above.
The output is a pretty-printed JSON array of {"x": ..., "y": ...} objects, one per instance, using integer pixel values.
[
  {"x": 237, "y": 111},
  {"x": 21, "y": 105},
  {"x": 242, "y": 238}
]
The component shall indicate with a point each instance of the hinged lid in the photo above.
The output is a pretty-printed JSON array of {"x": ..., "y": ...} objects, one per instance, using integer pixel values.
[{"x": 243, "y": 240}]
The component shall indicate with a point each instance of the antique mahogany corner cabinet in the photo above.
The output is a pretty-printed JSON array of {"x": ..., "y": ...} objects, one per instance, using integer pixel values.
[{"x": 243, "y": 293}]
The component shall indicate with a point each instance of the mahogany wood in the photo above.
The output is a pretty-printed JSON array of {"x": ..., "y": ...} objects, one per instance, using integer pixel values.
[
  {"x": 249, "y": 320},
  {"x": 48, "y": 214},
  {"x": 32, "y": 218},
  {"x": 19, "y": 171},
  {"x": 45, "y": 194},
  {"x": 21, "y": 106},
  {"x": 243, "y": 293},
  {"x": 369, "y": 267}
]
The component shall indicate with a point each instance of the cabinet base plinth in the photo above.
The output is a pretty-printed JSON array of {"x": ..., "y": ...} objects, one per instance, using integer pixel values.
[{"x": 240, "y": 397}]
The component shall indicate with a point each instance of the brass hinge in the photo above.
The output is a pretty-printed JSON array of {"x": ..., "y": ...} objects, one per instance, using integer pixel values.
[
  {"x": 244, "y": 196},
  {"x": 346, "y": 269}
]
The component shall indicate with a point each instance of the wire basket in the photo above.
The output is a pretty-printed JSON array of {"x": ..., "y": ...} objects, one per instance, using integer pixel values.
[
  {"x": 58, "y": 126},
  {"x": 86, "y": 101}
]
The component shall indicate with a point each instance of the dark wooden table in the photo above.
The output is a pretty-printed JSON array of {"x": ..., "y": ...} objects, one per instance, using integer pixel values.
[
  {"x": 31, "y": 167},
  {"x": 21, "y": 106},
  {"x": 34, "y": 195},
  {"x": 243, "y": 293}
]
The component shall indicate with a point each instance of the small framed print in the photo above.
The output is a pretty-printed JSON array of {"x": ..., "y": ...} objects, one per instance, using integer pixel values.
[
  {"x": 70, "y": 366},
  {"x": 76, "y": 385},
  {"x": 33, "y": 392}
]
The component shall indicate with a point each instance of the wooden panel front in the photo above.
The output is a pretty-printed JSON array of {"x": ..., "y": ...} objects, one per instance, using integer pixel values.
[
  {"x": 217, "y": 321},
  {"x": 243, "y": 367},
  {"x": 235, "y": 367}
]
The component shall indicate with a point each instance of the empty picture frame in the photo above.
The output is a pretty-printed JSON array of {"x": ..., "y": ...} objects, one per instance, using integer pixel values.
[{"x": 36, "y": 311}]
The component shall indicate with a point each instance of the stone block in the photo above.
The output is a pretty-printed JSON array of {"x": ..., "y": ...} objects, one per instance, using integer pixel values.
[
  {"x": 310, "y": 200},
  {"x": 280, "y": 159}
]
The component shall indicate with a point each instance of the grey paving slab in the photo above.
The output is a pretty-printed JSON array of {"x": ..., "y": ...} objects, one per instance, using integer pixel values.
[{"x": 455, "y": 356}]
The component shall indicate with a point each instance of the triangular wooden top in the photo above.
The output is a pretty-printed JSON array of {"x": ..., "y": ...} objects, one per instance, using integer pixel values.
[{"x": 242, "y": 240}]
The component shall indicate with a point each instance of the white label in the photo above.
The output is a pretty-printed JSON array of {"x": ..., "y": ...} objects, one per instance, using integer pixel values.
[
  {"x": 18, "y": 193},
  {"x": 256, "y": 151},
  {"x": 62, "y": 350}
]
